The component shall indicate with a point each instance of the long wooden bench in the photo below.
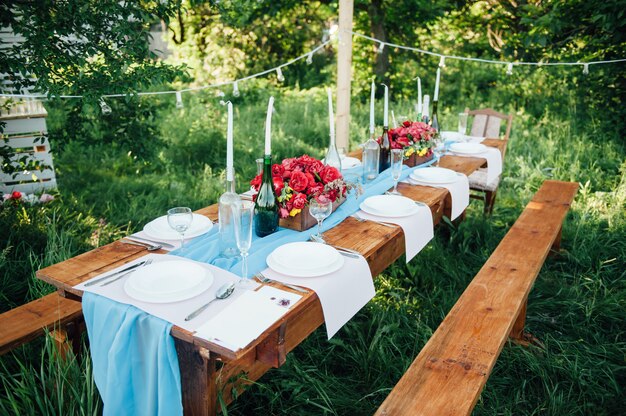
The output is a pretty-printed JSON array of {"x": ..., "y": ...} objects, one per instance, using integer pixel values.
[
  {"x": 450, "y": 372},
  {"x": 62, "y": 317}
]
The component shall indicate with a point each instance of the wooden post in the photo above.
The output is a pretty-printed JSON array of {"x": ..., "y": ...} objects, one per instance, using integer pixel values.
[{"x": 344, "y": 73}]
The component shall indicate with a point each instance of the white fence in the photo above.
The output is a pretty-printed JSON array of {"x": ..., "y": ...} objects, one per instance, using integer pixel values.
[{"x": 26, "y": 133}]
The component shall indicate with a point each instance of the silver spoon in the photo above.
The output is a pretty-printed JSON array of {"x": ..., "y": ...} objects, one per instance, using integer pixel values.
[{"x": 223, "y": 292}]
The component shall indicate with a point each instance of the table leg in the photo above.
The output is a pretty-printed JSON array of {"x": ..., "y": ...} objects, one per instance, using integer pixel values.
[{"x": 197, "y": 374}]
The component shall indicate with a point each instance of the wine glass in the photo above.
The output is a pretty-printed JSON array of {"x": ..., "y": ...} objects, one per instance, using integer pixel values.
[
  {"x": 462, "y": 127},
  {"x": 180, "y": 219},
  {"x": 439, "y": 146},
  {"x": 244, "y": 214},
  {"x": 320, "y": 208},
  {"x": 397, "y": 157}
]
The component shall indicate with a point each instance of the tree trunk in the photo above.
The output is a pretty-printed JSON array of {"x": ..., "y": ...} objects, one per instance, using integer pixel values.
[{"x": 377, "y": 20}]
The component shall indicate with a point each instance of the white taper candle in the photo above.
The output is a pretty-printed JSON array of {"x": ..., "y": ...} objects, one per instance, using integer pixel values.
[
  {"x": 268, "y": 127},
  {"x": 436, "y": 95},
  {"x": 331, "y": 115},
  {"x": 229, "y": 144},
  {"x": 419, "y": 95},
  {"x": 386, "y": 108},
  {"x": 372, "y": 98}
]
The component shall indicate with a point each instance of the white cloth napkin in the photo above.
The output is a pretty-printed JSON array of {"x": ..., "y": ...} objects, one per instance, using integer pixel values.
[
  {"x": 174, "y": 312},
  {"x": 243, "y": 320},
  {"x": 342, "y": 293},
  {"x": 459, "y": 193},
  {"x": 418, "y": 228},
  {"x": 141, "y": 235},
  {"x": 494, "y": 162}
]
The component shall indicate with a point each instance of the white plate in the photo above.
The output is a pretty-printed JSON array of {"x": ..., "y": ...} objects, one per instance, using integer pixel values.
[
  {"x": 305, "y": 259},
  {"x": 160, "y": 229},
  {"x": 452, "y": 136},
  {"x": 168, "y": 281},
  {"x": 468, "y": 148},
  {"x": 389, "y": 206},
  {"x": 434, "y": 175}
]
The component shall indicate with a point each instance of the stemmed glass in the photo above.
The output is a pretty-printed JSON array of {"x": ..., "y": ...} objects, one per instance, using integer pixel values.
[
  {"x": 397, "y": 157},
  {"x": 180, "y": 219},
  {"x": 244, "y": 214},
  {"x": 462, "y": 126},
  {"x": 439, "y": 146},
  {"x": 320, "y": 208}
]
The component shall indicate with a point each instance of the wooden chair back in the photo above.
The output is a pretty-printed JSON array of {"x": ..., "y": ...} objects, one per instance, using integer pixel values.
[{"x": 487, "y": 123}]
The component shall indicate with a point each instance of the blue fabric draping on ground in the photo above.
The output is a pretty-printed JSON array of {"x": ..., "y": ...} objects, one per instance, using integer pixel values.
[{"x": 135, "y": 365}]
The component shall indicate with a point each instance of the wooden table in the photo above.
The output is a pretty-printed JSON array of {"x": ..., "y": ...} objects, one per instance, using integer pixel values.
[{"x": 207, "y": 369}]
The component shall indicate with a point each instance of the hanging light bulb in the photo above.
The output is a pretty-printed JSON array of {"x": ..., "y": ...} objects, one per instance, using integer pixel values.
[
  {"x": 236, "y": 92},
  {"x": 179, "y": 100},
  {"x": 220, "y": 93},
  {"x": 104, "y": 107},
  {"x": 442, "y": 62},
  {"x": 279, "y": 75},
  {"x": 585, "y": 69},
  {"x": 381, "y": 47},
  {"x": 309, "y": 58},
  {"x": 509, "y": 68}
]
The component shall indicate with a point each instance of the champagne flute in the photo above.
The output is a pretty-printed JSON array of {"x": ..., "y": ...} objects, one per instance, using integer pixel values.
[
  {"x": 462, "y": 127},
  {"x": 244, "y": 217},
  {"x": 397, "y": 157},
  {"x": 320, "y": 208},
  {"x": 180, "y": 219}
]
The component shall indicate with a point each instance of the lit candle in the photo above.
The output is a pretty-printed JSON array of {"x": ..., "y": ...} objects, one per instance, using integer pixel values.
[
  {"x": 436, "y": 95},
  {"x": 372, "y": 98},
  {"x": 386, "y": 108},
  {"x": 229, "y": 144},
  {"x": 268, "y": 127},
  {"x": 419, "y": 95},
  {"x": 331, "y": 116}
]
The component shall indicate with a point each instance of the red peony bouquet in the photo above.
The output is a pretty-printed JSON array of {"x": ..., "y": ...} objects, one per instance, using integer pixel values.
[
  {"x": 299, "y": 179},
  {"x": 415, "y": 137}
]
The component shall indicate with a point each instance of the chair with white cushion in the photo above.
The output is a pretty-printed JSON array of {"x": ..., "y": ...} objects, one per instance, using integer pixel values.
[{"x": 487, "y": 123}]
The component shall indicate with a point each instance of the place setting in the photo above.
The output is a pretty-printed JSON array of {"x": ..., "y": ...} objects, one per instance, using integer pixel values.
[
  {"x": 473, "y": 149},
  {"x": 171, "y": 231},
  {"x": 456, "y": 183}
]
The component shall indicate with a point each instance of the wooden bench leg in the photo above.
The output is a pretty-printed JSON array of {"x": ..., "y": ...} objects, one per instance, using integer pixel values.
[
  {"x": 556, "y": 246},
  {"x": 518, "y": 335},
  {"x": 197, "y": 376}
]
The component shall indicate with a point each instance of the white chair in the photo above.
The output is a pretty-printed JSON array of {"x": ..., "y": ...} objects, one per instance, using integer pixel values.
[{"x": 487, "y": 123}]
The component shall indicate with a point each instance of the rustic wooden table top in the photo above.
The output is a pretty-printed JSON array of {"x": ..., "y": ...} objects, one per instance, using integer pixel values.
[{"x": 380, "y": 246}]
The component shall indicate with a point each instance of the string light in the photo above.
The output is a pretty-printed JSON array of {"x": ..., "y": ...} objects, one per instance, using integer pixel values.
[
  {"x": 509, "y": 68},
  {"x": 279, "y": 75},
  {"x": 236, "y": 92},
  {"x": 585, "y": 69},
  {"x": 442, "y": 62},
  {"x": 309, "y": 58},
  {"x": 179, "y": 100},
  {"x": 105, "y": 108},
  {"x": 381, "y": 47}
]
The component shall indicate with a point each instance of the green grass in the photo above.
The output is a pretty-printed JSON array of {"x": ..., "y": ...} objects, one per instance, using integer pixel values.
[{"x": 576, "y": 307}]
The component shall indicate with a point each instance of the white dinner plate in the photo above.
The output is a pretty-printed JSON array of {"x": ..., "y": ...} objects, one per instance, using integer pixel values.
[
  {"x": 468, "y": 148},
  {"x": 168, "y": 281},
  {"x": 160, "y": 229},
  {"x": 434, "y": 175},
  {"x": 305, "y": 259},
  {"x": 389, "y": 206},
  {"x": 452, "y": 136}
]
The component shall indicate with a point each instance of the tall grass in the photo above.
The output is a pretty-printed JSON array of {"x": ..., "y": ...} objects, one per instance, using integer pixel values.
[{"x": 575, "y": 309}]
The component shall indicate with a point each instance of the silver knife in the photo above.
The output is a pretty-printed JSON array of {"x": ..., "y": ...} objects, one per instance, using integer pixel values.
[
  {"x": 134, "y": 266},
  {"x": 145, "y": 240}
]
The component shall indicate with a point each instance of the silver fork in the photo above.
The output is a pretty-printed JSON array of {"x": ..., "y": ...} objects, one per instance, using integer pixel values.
[
  {"x": 148, "y": 246},
  {"x": 361, "y": 219},
  {"x": 126, "y": 274},
  {"x": 261, "y": 278}
]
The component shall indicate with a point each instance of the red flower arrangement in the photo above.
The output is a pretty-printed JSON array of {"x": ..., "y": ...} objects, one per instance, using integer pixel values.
[
  {"x": 299, "y": 179},
  {"x": 415, "y": 137}
]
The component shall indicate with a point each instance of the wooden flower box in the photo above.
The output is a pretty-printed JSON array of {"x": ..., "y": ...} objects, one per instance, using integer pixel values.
[
  {"x": 415, "y": 160},
  {"x": 304, "y": 220}
]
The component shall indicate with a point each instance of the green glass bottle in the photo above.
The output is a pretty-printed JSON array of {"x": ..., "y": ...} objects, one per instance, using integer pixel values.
[{"x": 266, "y": 208}]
